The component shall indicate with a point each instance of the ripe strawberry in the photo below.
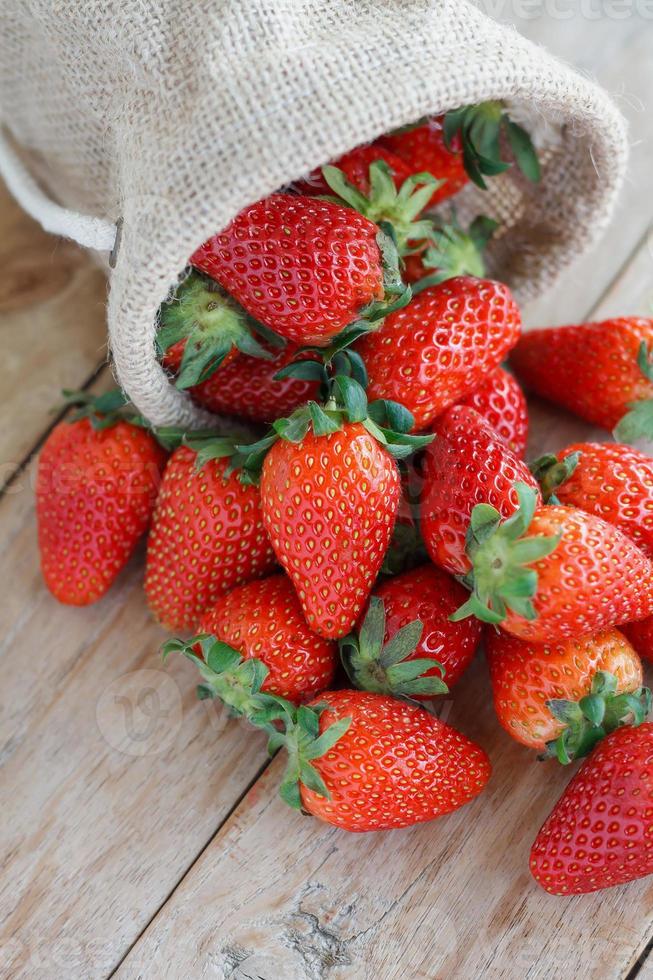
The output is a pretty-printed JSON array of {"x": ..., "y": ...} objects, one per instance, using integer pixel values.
[
  {"x": 305, "y": 268},
  {"x": 611, "y": 480},
  {"x": 640, "y": 635},
  {"x": 365, "y": 761},
  {"x": 98, "y": 477},
  {"x": 263, "y": 621},
  {"x": 573, "y": 574},
  {"x": 502, "y": 404},
  {"x": 329, "y": 505},
  {"x": 423, "y": 148},
  {"x": 466, "y": 464},
  {"x": 562, "y": 698},
  {"x": 355, "y": 165},
  {"x": 600, "y": 832},
  {"x": 405, "y": 644},
  {"x": 440, "y": 347},
  {"x": 247, "y": 387},
  {"x": 600, "y": 371},
  {"x": 207, "y": 537}
]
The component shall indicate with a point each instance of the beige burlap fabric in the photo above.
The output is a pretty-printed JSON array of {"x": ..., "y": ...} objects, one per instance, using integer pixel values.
[{"x": 174, "y": 114}]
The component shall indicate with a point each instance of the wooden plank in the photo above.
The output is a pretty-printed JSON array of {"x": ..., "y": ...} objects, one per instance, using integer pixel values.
[
  {"x": 279, "y": 895},
  {"x": 52, "y": 323},
  {"x": 113, "y": 775}
]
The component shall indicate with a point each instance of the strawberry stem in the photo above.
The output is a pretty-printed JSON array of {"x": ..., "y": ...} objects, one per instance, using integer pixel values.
[{"x": 551, "y": 472}]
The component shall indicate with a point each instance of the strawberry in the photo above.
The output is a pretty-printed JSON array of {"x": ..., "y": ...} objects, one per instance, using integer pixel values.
[
  {"x": 440, "y": 347},
  {"x": 207, "y": 537},
  {"x": 248, "y": 387},
  {"x": 405, "y": 644},
  {"x": 303, "y": 267},
  {"x": 449, "y": 251},
  {"x": 465, "y": 144},
  {"x": 97, "y": 481},
  {"x": 502, "y": 404},
  {"x": 600, "y": 371},
  {"x": 201, "y": 328},
  {"x": 600, "y": 832},
  {"x": 355, "y": 165},
  {"x": 640, "y": 635},
  {"x": 466, "y": 464},
  {"x": 611, "y": 480},
  {"x": 329, "y": 506},
  {"x": 362, "y": 761},
  {"x": 562, "y": 698},
  {"x": 423, "y": 148},
  {"x": 572, "y": 574},
  {"x": 263, "y": 621}
]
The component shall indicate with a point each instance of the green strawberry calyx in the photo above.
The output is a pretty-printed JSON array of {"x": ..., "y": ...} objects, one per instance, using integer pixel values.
[
  {"x": 500, "y": 553},
  {"x": 480, "y": 129},
  {"x": 300, "y": 737},
  {"x": 228, "y": 676},
  {"x": 212, "y": 325},
  {"x": 386, "y": 667},
  {"x": 594, "y": 716},
  {"x": 452, "y": 251},
  {"x": 551, "y": 472},
  {"x": 637, "y": 423},
  {"x": 386, "y": 205},
  {"x": 102, "y": 411}
]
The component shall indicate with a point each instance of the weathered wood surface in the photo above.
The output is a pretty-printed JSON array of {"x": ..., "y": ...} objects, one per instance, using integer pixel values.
[
  {"x": 52, "y": 328},
  {"x": 115, "y": 781}
]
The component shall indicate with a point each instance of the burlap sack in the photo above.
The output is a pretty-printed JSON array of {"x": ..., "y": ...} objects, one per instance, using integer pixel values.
[{"x": 174, "y": 114}]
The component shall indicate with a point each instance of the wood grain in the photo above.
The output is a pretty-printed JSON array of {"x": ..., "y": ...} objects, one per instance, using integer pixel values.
[
  {"x": 290, "y": 897},
  {"x": 52, "y": 328}
]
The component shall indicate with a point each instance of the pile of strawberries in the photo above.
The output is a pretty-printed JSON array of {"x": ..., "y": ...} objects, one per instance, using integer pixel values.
[{"x": 337, "y": 571}]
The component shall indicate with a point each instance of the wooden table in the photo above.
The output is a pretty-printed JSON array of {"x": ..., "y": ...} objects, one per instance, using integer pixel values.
[{"x": 141, "y": 834}]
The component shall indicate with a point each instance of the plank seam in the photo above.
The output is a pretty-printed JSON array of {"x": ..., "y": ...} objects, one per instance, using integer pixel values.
[
  {"x": 232, "y": 809},
  {"x": 56, "y": 419}
]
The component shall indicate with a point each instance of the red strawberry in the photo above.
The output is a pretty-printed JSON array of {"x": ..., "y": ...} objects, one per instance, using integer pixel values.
[
  {"x": 247, "y": 387},
  {"x": 564, "y": 697},
  {"x": 405, "y": 643},
  {"x": 440, "y": 347},
  {"x": 572, "y": 574},
  {"x": 329, "y": 505},
  {"x": 264, "y": 620},
  {"x": 640, "y": 635},
  {"x": 501, "y": 402},
  {"x": 423, "y": 148},
  {"x": 302, "y": 266},
  {"x": 600, "y": 832},
  {"x": 207, "y": 537},
  {"x": 365, "y": 761},
  {"x": 95, "y": 493},
  {"x": 355, "y": 165},
  {"x": 597, "y": 370},
  {"x": 611, "y": 480},
  {"x": 466, "y": 464}
]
